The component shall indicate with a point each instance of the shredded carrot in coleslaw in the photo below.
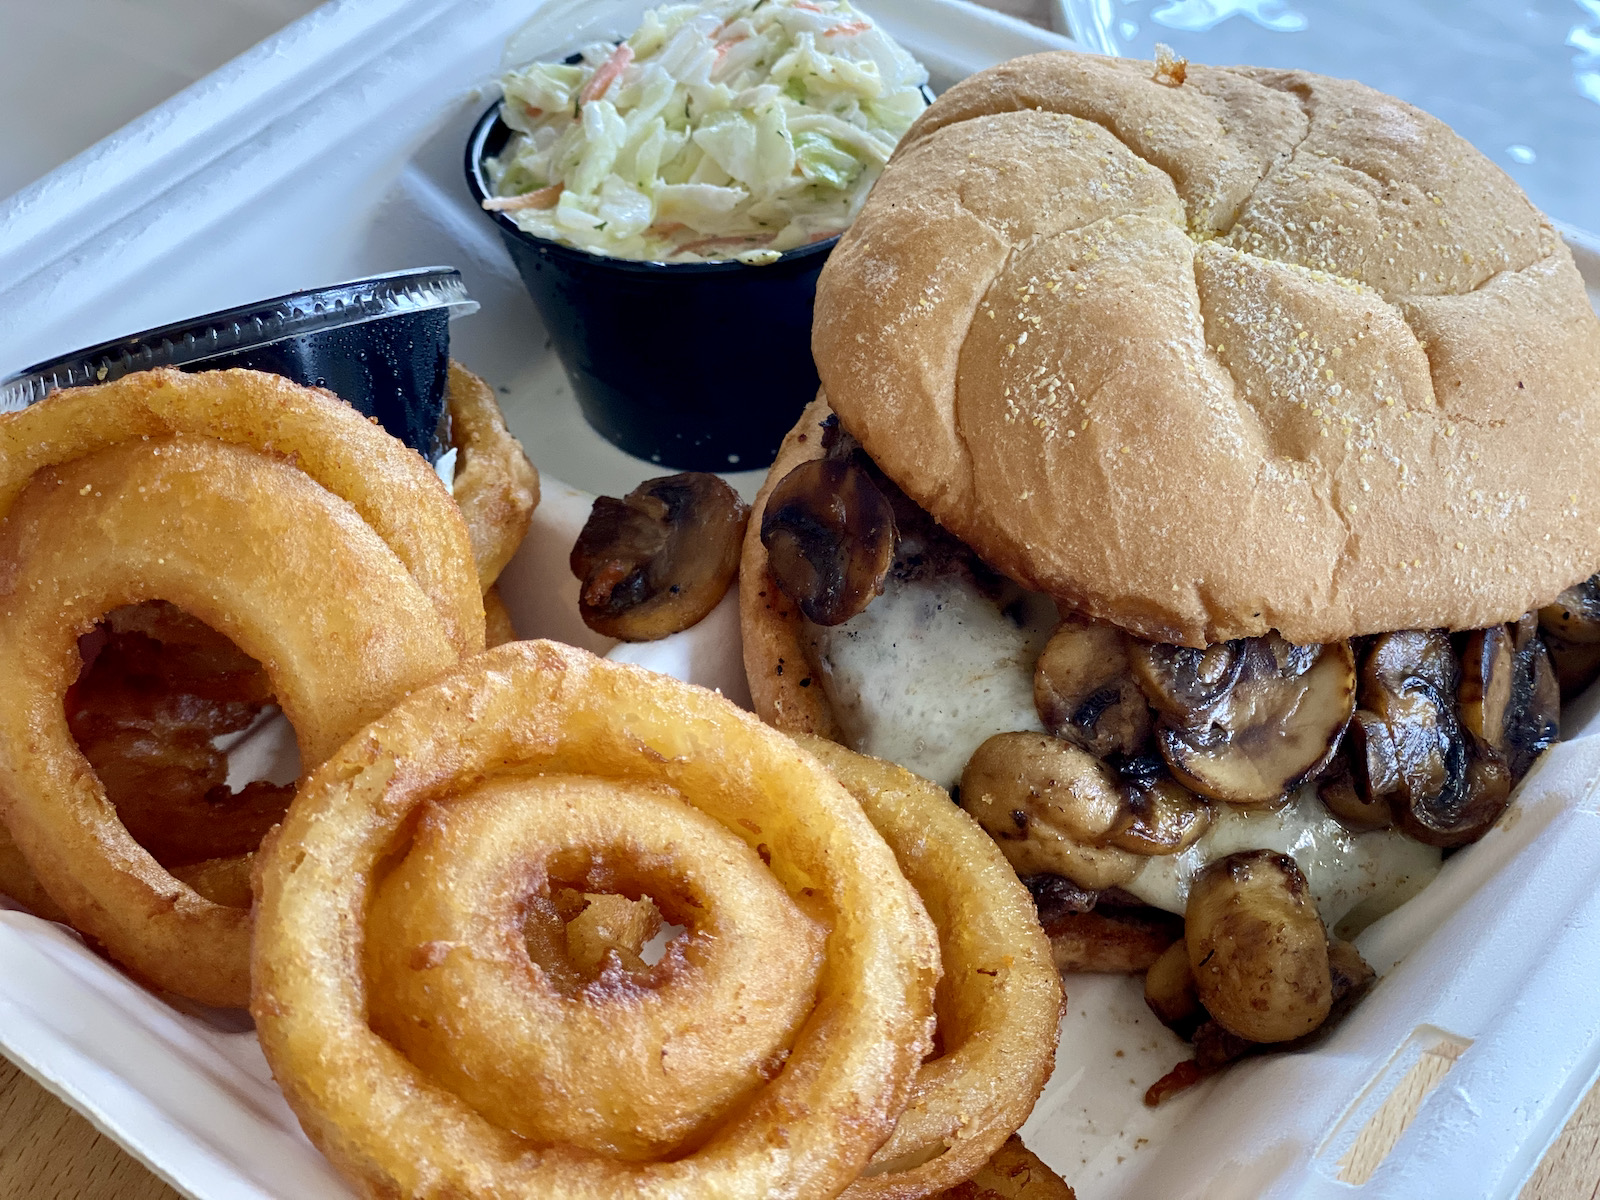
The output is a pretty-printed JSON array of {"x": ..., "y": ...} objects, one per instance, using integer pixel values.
[
  {"x": 610, "y": 71},
  {"x": 544, "y": 198}
]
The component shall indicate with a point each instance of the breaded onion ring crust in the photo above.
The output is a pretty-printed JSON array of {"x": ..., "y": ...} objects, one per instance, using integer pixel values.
[
  {"x": 392, "y": 489},
  {"x": 999, "y": 1000},
  {"x": 245, "y": 543},
  {"x": 542, "y": 706},
  {"x": 496, "y": 486},
  {"x": 18, "y": 881},
  {"x": 1014, "y": 1173}
]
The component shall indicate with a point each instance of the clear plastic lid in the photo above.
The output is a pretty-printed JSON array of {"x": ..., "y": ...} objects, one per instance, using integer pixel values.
[{"x": 249, "y": 327}]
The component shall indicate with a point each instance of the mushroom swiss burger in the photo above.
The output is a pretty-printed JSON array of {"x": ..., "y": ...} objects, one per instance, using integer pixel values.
[{"x": 1202, "y": 488}]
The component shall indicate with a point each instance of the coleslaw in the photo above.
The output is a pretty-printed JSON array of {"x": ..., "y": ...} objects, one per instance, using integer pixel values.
[{"x": 739, "y": 129}]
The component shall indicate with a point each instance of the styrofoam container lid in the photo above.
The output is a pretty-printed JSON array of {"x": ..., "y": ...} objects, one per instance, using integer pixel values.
[{"x": 1485, "y": 1020}]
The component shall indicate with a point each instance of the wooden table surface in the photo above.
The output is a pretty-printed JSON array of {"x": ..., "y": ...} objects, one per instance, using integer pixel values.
[{"x": 49, "y": 1152}]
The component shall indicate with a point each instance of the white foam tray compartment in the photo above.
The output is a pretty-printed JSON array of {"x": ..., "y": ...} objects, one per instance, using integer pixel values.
[{"x": 333, "y": 150}]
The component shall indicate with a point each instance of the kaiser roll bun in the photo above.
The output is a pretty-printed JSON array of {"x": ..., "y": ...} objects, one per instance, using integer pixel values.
[{"x": 1214, "y": 352}]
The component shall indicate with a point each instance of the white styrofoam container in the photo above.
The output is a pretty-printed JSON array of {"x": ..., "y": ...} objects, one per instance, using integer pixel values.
[{"x": 332, "y": 151}]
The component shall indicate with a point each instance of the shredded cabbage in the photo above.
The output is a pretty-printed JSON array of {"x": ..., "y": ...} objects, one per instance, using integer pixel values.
[{"x": 735, "y": 129}]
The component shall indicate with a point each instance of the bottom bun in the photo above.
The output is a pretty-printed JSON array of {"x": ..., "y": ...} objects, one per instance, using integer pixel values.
[{"x": 785, "y": 687}]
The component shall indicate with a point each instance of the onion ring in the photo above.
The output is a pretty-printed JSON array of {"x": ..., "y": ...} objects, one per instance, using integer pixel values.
[
  {"x": 1014, "y": 1173},
  {"x": 535, "y": 706},
  {"x": 18, "y": 881},
  {"x": 654, "y": 1072},
  {"x": 495, "y": 485},
  {"x": 223, "y": 881},
  {"x": 157, "y": 688},
  {"x": 252, "y": 547},
  {"x": 999, "y": 1001},
  {"x": 397, "y": 494}
]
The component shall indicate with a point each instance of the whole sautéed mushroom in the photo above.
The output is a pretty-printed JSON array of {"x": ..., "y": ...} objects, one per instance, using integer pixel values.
[
  {"x": 829, "y": 532},
  {"x": 1570, "y": 627},
  {"x": 1085, "y": 691},
  {"x": 1257, "y": 947},
  {"x": 658, "y": 560},
  {"x": 1057, "y": 809},
  {"x": 1442, "y": 740},
  {"x": 1249, "y": 720}
]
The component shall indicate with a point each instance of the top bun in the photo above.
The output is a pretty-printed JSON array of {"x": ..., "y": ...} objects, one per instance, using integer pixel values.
[{"x": 1213, "y": 354}]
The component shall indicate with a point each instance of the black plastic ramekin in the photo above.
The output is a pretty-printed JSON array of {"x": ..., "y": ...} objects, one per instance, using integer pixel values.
[
  {"x": 698, "y": 366},
  {"x": 382, "y": 344}
]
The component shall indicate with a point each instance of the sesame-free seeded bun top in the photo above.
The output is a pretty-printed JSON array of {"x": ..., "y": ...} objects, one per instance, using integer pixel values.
[{"x": 1255, "y": 350}]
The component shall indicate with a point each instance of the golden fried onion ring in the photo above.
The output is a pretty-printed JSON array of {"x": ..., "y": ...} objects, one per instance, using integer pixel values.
[
  {"x": 1014, "y": 1173},
  {"x": 495, "y": 484},
  {"x": 392, "y": 489},
  {"x": 637, "y": 1067},
  {"x": 224, "y": 881},
  {"x": 161, "y": 685},
  {"x": 254, "y": 548},
  {"x": 18, "y": 881},
  {"x": 157, "y": 689},
  {"x": 540, "y": 706},
  {"x": 999, "y": 1001}
]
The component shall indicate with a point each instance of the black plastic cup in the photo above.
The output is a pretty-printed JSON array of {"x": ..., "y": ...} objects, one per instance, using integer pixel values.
[
  {"x": 697, "y": 366},
  {"x": 382, "y": 344}
]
